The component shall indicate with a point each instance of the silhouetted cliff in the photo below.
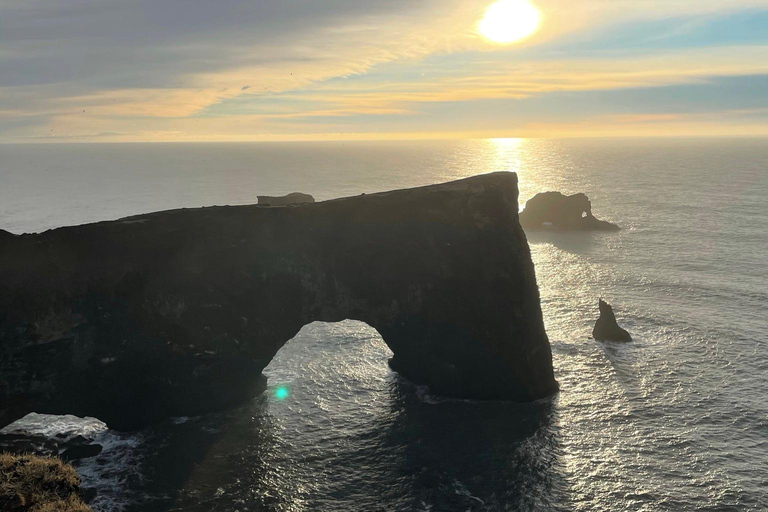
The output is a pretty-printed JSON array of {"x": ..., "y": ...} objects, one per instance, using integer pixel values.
[{"x": 178, "y": 312}]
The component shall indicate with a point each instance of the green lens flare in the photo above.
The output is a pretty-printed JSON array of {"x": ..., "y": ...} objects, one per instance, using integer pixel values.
[{"x": 281, "y": 393}]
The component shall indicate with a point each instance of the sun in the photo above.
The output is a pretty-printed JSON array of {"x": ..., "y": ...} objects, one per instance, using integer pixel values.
[{"x": 508, "y": 21}]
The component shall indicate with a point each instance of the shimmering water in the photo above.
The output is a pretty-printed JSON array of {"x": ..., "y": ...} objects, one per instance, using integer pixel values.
[{"x": 676, "y": 420}]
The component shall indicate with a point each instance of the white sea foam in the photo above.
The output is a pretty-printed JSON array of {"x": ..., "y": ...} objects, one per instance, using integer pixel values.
[
  {"x": 109, "y": 472},
  {"x": 62, "y": 427}
]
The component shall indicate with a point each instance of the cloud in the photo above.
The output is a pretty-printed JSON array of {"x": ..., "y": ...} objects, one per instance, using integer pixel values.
[
  {"x": 93, "y": 46},
  {"x": 493, "y": 80},
  {"x": 130, "y": 66}
]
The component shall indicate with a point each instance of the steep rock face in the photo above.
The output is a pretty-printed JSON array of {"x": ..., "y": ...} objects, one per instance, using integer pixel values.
[
  {"x": 292, "y": 198},
  {"x": 178, "y": 312},
  {"x": 562, "y": 212},
  {"x": 606, "y": 328}
]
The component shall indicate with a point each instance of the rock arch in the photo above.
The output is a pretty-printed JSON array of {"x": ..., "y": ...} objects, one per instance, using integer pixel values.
[
  {"x": 178, "y": 312},
  {"x": 553, "y": 209}
]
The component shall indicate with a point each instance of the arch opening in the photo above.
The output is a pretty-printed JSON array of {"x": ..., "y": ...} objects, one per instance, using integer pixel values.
[{"x": 346, "y": 359}]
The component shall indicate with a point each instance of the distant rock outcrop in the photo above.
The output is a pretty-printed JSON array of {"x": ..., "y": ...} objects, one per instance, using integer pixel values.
[
  {"x": 177, "y": 313},
  {"x": 558, "y": 211},
  {"x": 606, "y": 327},
  {"x": 292, "y": 198}
]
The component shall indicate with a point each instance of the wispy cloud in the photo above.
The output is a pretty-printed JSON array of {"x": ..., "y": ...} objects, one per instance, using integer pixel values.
[
  {"x": 194, "y": 69},
  {"x": 508, "y": 80}
]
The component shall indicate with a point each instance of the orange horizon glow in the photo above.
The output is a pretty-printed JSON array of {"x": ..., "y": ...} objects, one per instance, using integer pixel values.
[{"x": 442, "y": 70}]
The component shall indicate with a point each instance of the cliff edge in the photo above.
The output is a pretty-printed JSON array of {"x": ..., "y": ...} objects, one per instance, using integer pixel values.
[{"x": 178, "y": 312}]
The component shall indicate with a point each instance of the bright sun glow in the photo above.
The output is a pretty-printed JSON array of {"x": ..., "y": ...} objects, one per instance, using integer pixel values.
[{"x": 508, "y": 21}]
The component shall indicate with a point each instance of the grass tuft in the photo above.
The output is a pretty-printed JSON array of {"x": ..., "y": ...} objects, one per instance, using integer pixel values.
[{"x": 39, "y": 484}]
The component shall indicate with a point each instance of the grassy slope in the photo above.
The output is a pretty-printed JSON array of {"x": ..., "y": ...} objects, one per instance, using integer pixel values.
[{"x": 38, "y": 484}]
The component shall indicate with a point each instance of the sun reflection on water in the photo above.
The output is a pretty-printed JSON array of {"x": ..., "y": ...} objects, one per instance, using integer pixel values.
[
  {"x": 507, "y": 153},
  {"x": 644, "y": 426}
]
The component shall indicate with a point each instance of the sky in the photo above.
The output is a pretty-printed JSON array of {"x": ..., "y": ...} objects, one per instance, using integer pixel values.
[{"x": 205, "y": 70}]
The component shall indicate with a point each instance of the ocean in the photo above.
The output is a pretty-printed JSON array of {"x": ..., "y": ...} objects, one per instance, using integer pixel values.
[{"x": 676, "y": 420}]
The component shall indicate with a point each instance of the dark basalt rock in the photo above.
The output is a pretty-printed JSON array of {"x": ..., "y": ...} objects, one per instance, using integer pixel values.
[
  {"x": 20, "y": 442},
  {"x": 68, "y": 449},
  {"x": 177, "y": 312},
  {"x": 606, "y": 327},
  {"x": 83, "y": 451},
  {"x": 89, "y": 494},
  {"x": 292, "y": 198},
  {"x": 558, "y": 211}
]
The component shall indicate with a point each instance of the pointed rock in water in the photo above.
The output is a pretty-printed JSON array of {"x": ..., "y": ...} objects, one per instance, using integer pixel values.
[{"x": 606, "y": 328}]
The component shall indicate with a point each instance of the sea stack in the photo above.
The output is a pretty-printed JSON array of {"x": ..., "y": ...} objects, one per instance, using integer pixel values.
[
  {"x": 606, "y": 327},
  {"x": 177, "y": 313},
  {"x": 557, "y": 211}
]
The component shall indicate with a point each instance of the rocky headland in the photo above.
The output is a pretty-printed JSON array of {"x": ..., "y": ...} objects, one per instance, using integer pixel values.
[
  {"x": 554, "y": 210},
  {"x": 178, "y": 312}
]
